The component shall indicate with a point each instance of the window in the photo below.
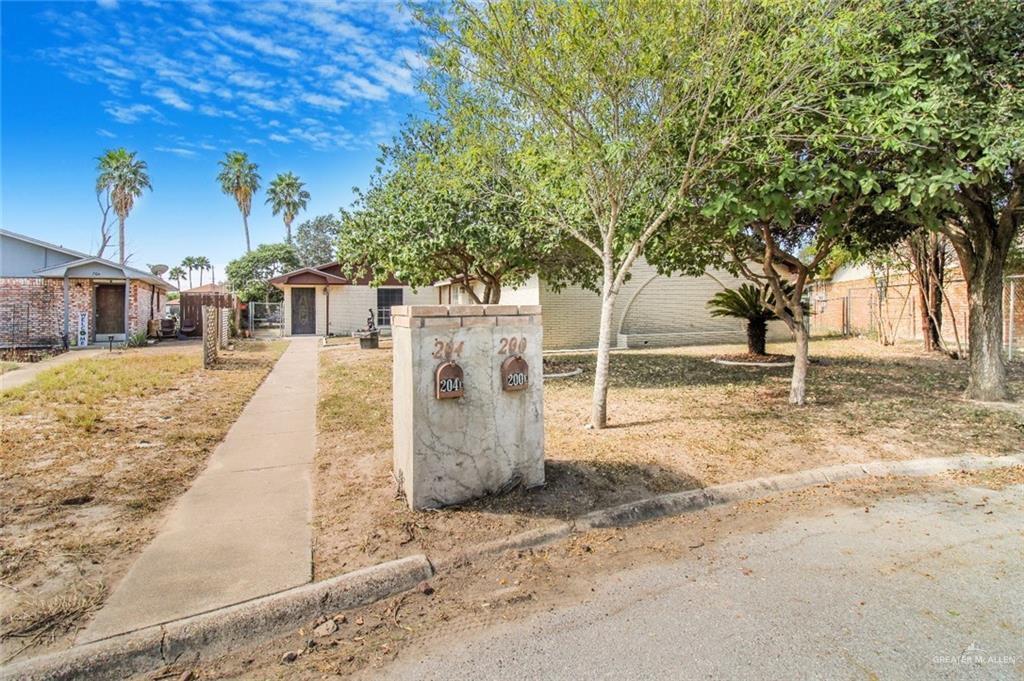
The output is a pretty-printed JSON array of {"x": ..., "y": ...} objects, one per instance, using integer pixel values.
[{"x": 386, "y": 297}]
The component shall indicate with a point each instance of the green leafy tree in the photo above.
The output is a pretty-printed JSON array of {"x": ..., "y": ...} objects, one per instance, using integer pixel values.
[
  {"x": 122, "y": 177},
  {"x": 439, "y": 208},
  {"x": 287, "y": 196},
  {"x": 316, "y": 240},
  {"x": 950, "y": 101},
  {"x": 177, "y": 273},
  {"x": 624, "y": 110},
  {"x": 249, "y": 276},
  {"x": 240, "y": 180}
]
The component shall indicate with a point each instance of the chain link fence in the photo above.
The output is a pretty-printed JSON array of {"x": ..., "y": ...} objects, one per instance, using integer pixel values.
[
  {"x": 265, "y": 319},
  {"x": 892, "y": 311}
]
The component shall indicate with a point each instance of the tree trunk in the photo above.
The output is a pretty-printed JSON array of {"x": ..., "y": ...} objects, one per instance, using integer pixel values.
[
  {"x": 120, "y": 238},
  {"x": 245, "y": 223},
  {"x": 599, "y": 405},
  {"x": 757, "y": 331},
  {"x": 201, "y": 270},
  {"x": 987, "y": 380},
  {"x": 288, "y": 231},
  {"x": 798, "y": 384}
]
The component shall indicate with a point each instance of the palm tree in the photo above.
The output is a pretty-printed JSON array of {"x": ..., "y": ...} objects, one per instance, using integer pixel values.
[
  {"x": 286, "y": 194},
  {"x": 751, "y": 303},
  {"x": 124, "y": 178},
  {"x": 238, "y": 178},
  {"x": 189, "y": 263},
  {"x": 202, "y": 263},
  {"x": 177, "y": 273}
]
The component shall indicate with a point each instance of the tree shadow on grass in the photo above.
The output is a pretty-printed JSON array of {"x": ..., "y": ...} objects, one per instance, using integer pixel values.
[{"x": 572, "y": 488}]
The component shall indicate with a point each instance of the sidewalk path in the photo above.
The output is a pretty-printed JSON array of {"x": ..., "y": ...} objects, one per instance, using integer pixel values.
[
  {"x": 26, "y": 374},
  {"x": 243, "y": 529}
]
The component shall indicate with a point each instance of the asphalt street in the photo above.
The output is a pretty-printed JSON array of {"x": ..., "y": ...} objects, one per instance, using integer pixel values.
[{"x": 915, "y": 587}]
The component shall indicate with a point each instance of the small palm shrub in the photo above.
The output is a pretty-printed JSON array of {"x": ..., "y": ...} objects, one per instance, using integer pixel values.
[{"x": 751, "y": 303}]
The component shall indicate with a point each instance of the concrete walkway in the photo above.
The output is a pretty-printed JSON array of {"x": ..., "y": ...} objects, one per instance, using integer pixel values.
[
  {"x": 27, "y": 373},
  {"x": 243, "y": 529}
]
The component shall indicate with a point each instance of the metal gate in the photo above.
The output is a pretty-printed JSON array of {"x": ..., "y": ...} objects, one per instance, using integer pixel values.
[{"x": 265, "y": 319}]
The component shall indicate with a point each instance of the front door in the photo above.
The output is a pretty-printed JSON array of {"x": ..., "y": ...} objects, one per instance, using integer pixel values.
[
  {"x": 109, "y": 310},
  {"x": 303, "y": 310}
]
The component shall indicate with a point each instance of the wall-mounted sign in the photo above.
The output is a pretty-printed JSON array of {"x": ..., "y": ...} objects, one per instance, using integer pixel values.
[
  {"x": 83, "y": 329},
  {"x": 448, "y": 381},
  {"x": 515, "y": 374}
]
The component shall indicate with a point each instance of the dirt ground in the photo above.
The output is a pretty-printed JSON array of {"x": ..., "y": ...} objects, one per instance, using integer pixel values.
[
  {"x": 93, "y": 451},
  {"x": 678, "y": 422},
  {"x": 497, "y": 589}
]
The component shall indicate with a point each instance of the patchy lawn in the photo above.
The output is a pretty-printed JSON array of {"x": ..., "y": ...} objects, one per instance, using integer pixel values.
[
  {"x": 677, "y": 422},
  {"x": 6, "y": 366},
  {"x": 92, "y": 452}
]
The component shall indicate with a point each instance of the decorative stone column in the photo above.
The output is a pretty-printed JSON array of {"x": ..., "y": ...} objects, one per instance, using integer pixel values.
[{"x": 468, "y": 398}]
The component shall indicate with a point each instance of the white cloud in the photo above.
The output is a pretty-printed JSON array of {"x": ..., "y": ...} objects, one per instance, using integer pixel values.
[
  {"x": 323, "y": 101},
  {"x": 327, "y": 70},
  {"x": 107, "y": 4},
  {"x": 103, "y": 132},
  {"x": 250, "y": 79},
  {"x": 361, "y": 88},
  {"x": 177, "y": 151},
  {"x": 279, "y": 138},
  {"x": 129, "y": 113},
  {"x": 264, "y": 45},
  {"x": 171, "y": 98}
]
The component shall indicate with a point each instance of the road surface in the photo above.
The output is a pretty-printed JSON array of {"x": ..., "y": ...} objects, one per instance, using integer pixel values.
[{"x": 915, "y": 587}]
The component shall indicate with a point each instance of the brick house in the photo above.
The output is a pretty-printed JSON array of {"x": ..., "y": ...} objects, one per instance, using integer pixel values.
[{"x": 46, "y": 290}]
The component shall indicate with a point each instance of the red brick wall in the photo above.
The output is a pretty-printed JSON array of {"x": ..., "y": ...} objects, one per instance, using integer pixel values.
[
  {"x": 852, "y": 307},
  {"x": 32, "y": 309}
]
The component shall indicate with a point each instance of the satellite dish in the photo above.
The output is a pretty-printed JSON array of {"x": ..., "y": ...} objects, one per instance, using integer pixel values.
[{"x": 158, "y": 270}]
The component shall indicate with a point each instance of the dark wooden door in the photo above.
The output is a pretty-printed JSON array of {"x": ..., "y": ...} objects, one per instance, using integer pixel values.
[
  {"x": 303, "y": 310},
  {"x": 109, "y": 309}
]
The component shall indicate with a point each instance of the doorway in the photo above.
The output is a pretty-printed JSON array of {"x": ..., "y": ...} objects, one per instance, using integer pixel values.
[
  {"x": 109, "y": 312},
  {"x": 303, "y": 311}
]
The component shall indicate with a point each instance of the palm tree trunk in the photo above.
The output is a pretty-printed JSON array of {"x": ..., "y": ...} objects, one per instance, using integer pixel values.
[
  {"x": 288, "y": 231},
  {"x": 120, "y": 237},
  {"x": 245, "y": 223},
  {"x": 757, "y": 330},
  {"x": 190, "y": 277},
  {"x": 201, "y": 270}
]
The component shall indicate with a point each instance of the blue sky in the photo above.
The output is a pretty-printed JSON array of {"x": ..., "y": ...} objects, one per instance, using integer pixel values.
[{"x": 308, "y": 87}]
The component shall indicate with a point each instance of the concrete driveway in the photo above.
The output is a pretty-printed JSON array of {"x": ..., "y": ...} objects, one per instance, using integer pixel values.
[{"x": 916, "y": 587}]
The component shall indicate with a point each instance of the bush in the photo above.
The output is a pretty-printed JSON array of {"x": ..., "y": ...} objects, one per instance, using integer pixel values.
[{"x": 137, "y": 339}]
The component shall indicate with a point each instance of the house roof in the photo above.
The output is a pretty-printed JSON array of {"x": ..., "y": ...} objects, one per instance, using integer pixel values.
[
  {"x": 44, "y": 244},
  {"x": 208, "y": 288},
  {"x": 328, "y": 274},
  {"x": 85, "y": 259},
  {"x": 58, "y": 271}
]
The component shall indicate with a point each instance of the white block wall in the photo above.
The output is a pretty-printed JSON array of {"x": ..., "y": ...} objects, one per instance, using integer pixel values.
[{"x": 348, "y": 306}]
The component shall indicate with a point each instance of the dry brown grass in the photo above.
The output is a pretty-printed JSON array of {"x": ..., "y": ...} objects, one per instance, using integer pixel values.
[
  {"x": 93, "y": 451},
  {"x": 677, "y": 422}
]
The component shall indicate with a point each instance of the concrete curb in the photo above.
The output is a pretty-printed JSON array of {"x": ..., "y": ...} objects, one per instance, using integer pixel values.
[
  {"x": 693, "y": 500},
  {"x": 219, "y": 631}
]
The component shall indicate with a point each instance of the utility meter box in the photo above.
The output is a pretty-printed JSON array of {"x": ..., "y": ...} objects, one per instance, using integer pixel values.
[{"x": 468, "y": 393}]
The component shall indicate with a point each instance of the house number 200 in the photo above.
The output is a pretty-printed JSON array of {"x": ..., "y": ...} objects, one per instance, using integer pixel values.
[{"x": 511, "y": 346}]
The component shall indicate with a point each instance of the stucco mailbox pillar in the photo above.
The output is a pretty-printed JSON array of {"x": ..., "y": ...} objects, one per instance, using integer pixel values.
[{"x": 468, "y": 401}]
